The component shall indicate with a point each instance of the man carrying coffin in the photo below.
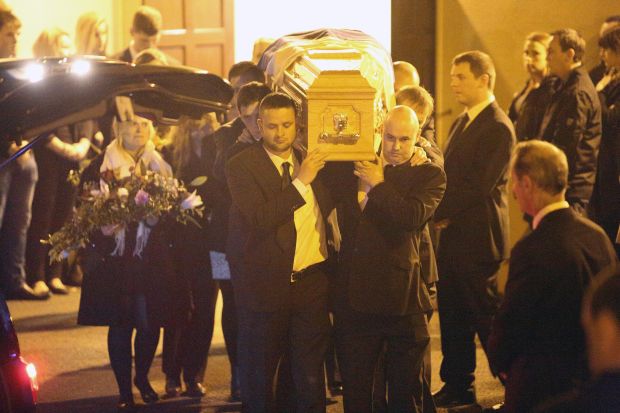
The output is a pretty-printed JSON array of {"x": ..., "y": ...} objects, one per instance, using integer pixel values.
[
  {"x": 380, "y": 297},
  {"x": 279, "y": 209}
]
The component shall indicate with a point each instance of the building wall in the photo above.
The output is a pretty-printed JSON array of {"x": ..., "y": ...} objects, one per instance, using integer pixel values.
[
  {"x": 37, "y": 15},
  {"x": 499, "y": 29},
  {"x": 275, "y": 18}
]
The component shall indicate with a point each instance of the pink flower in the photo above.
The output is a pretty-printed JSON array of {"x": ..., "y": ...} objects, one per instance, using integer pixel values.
[{"x": 141, "y": 198}]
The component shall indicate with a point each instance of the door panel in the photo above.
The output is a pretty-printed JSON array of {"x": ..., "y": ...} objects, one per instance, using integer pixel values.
[{"x": 198, "y": 33}]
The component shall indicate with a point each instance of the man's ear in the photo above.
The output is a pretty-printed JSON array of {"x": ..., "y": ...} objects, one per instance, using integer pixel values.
[
  {"x": 485, "y": 78},
  {"x": 259, "y": 122},
  {"x": 571, "y": 54}
]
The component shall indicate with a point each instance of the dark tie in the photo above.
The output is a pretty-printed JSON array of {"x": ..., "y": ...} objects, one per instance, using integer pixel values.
[
  {"x": 286, "y": 174},
  {"x": 286, "y": 233},
  {"x": 456, "y": 133}
]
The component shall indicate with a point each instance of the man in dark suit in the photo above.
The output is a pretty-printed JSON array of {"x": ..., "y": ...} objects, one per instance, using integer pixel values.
[
  {"x": 537, "y": 344},
  {"x": 279, "y": 211},
  {"x": 217, "y": 148},
  {"x": 473, "y": 217},
  {"x": 380, "y": 295},
  {"x": 572, "y": 121},
  {"x": 145, "y": 33}
]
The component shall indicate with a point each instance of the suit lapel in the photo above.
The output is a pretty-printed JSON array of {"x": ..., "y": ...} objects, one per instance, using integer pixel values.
[
  {"x": 268, "y": 173},
  {"x": 473, "y": 126}
]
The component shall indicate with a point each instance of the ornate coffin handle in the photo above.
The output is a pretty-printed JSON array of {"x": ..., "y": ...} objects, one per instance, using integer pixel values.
[{"x": 341, "y": 121}]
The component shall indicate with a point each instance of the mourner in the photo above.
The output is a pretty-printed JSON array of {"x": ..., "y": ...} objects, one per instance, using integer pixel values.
[
  {"x": 134, "y": 289},
  {"x": 537, "y": 344},
  {"x": 601, "y": 320},
  {"x": 572, "y": 120},
  {"x": 381, "y": 296},
  {"x": 473, "y": 218},
  {"x": 279, "y": 208}
]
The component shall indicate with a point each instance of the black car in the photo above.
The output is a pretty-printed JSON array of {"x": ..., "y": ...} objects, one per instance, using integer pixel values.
[{"x": 38, "y": 96}]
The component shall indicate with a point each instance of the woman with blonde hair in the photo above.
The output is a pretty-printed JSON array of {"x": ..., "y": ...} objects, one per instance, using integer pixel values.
[
  {"x": 54, "y": 197},
  {"x": 52, "y": 42},
  {"x": 91, "y": 35}
]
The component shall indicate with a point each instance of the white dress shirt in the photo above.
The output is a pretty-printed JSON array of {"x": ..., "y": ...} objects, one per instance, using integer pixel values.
[
  {"x": 311, "y": 245},
  {"x": 475, "y": 110}
]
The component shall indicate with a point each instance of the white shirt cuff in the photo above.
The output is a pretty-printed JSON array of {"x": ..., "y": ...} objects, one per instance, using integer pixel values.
[{"x": 303, "y": 189}]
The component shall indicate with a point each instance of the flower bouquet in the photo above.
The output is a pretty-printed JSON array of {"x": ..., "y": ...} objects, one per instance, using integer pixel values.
[{"x": 113, "y": 203}]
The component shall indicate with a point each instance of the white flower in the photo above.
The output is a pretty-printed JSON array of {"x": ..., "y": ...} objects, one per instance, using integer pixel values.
[
  {"x": 102, "y": 192},
  {"x": 122, "y": 193},
  {"x": 192, "y": 201}
]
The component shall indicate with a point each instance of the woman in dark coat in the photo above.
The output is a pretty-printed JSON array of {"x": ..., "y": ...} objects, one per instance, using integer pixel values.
[
  {"x": 186, "y": 345},
  {"x": 132, "y": 289},
  {"x": 528, "y": 105}
]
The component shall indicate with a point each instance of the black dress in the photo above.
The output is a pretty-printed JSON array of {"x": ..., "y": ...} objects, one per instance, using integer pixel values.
[{"x": 111, "y": 283}]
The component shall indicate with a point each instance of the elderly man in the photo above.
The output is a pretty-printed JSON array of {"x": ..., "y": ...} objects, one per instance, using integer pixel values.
[
  {"x": 572, "y": 120},
  {"x": 537, "y": 345},
  {"x": 473, "y": 216},
  {"x": 381, "y": 298}
]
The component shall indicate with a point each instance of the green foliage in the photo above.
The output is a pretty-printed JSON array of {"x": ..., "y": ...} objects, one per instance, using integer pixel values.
[{"x": 117, "y": 202}]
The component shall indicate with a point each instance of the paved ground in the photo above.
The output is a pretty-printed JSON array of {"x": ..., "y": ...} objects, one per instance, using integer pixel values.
[{"x": 75, "y": 376}]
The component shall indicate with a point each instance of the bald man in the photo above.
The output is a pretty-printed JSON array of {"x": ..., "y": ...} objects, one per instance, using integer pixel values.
[
  {"x": 381, "y": 298},
  {"x": 405, "y": 74}
]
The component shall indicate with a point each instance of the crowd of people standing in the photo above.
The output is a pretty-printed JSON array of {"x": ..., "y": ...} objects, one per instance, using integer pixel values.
[{"x": 321, "y": 261}]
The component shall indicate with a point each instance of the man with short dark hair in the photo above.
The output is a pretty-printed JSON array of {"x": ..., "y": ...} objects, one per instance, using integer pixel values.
[
  {"x": 145, "y": 33},
  {"x": 279, "y": 209},
  {"x": 537, "y": 345},
  {"x": 242, "y": 73},
  {"x": 9, "y": 33},
  {"x": 572, "y": 120},
  {"x": 221, "y": 146},
  {"x": 473, "y": 218},
  {"x": 601, "y": 71}
]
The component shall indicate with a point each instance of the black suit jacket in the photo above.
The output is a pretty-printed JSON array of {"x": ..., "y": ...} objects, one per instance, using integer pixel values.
[
  {"x": 124, "y": 56},
  {"x": 476, "y": 201},
  {"x": 550, "y": 269},
  {"x": 380, "y": 261},
  {"x": 259, "y": 209}
]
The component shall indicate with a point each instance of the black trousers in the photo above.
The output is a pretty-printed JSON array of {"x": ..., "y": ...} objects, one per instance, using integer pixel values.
[
  {"x": 361, "y": 338},
  {"x": 467, "y": 302},
  {"x": 186, "y": 345},
  {"x": 421, "y": 387},
  {"x": 301, "y": 332}
]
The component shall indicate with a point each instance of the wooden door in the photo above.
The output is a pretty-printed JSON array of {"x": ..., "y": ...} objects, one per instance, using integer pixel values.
[{"x": 198, "y": 33}]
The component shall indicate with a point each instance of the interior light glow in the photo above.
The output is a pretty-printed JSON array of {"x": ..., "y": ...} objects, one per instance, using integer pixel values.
[
  {"x": 80, "y": 67},
  {"x": 35, "y": 72}
]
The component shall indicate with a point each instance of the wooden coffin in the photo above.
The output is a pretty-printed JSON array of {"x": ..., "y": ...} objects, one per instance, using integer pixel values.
[{"x": 340, "y": 111}]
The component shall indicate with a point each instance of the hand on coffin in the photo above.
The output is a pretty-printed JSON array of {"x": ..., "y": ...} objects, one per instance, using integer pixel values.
[
  {"x": 310, "y": 167},
  {"x": 419, "y": 155},
  {"x": 370, "y": 172}
]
